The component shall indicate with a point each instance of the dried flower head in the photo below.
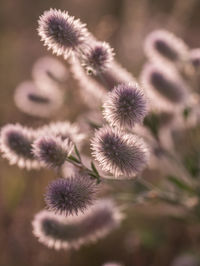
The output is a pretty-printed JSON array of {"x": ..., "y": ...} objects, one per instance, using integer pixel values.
[
  {"x": 36, "y": 102},
  {"x": 61, "y": 33},
  {"x": 70, "y": 195},
  {"x": 64, "y": 130},
  {"x": 164, "y": 88},
  {"x": 61, "y": 232},
  {"x": 97, "y": 57},
  {"x": 15, "y": 144},
  {"x": 163, "y": 45},
  {"x": 48, "y": 71},
  {"x": 125, "y": 106},
  {"x": 119, "y": 153},
  {"x": 52, "y": 150}
]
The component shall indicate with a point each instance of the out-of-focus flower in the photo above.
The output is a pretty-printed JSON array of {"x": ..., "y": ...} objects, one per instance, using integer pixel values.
[
  {"x": 195, "y": 58},
  {"x": 52, "y": 150},
  {"x": 64, "y": 130},
  {"x": 97, "y": 58},
  {"x": 60, "y": 232},
  {"x": 61, "y": 33},
  {"x": 36, "y": 102},
  {"x": 112, "y": 264},
  {"x": 161, "y": 45},
  {"x": 164, "y": 87},
  {"x": 48, "y": 71},
  {"x": 125, "y": 106},
  {"x": 68, "y": 196},
  {"x": 119, "y": 153},
  {"x": 15, "y": 145},
  {"x": 186, "y": 260}
]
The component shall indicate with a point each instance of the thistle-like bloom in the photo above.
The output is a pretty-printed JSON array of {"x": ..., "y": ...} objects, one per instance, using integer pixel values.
[
  {"x": 119, "y": 153},
  {"x": 68, "y": 196},
  {"x": 52, "y": 150},
  {"x": 15, "y": 145},
  {"x": 64, "y": 130},
  {"x": 161, "y": 45},
  {"x": 48, "y": 71},
  {"x": 36, "y": 102},
  {"x": 125, "y": 106},
  {"x": 97, "y": 57},
  {"x": 164, "y": 88},
  {"x": 60, "y": 232},
  {"x": 61, "y": 33}
]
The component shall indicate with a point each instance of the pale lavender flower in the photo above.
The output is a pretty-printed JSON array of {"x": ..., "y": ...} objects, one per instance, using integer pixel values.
[
  {"x": 97, "y": 57},
  {"x": 36, "y": 102},
  {"x": 68, "y": 196},
  {"x": 15, "y": 145},
  {"x": 61, "y": 33},
  {"x": 163, "y": 46},
  {"x": 52, "y": 150},
  {"x": 164, "y": 87},
  {"x": 125, "y": 106},
  {"x": 64, "y": 130},
  {"x": 118, "y": 152},
  {"x": 61, "y": 232},
  {"x": 48, "y": 71}
]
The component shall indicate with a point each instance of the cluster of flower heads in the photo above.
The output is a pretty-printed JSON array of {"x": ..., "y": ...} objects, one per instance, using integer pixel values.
[{"x": 74, "y": 217}]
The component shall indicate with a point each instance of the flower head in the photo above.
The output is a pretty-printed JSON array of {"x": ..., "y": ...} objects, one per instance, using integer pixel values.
[
  {"x": 119, "y": 153},
  {"x": 97, "y": 57},
  {"x": 15, "y": 144},
  {"x": 51, "y": 150},
  {"x": 70, "y": 195},
  {"x": 61, "y": 32},
  {"x": 161, "y": 45},
  {"x": 125, "y": 106},
  {"x": 61, "y": 232},
  {"x": 36, "y": 102}
]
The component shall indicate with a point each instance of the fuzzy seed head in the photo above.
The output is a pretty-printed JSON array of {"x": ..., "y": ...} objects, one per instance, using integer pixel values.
[
  {"x": 97, "y": 58},
  {"x": 52, "y": 151},
  {"x": 125, "y": 106},
  {"x": 71, "y": 195},
  {"x": 61, "y": 33},
  {"x": 119, "y": 153},
  {"x": 161, "y": 45},
  {"x": 16, "y": 145},
  {"x": 61, "y": 232}
]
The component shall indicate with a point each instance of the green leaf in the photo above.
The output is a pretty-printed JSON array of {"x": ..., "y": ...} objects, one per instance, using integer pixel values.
[
  {"x": 77, "y": 153},
  {"x": 94, "y": 169},
  {"x": 180, "y": 184},
  {"x": 72, "y": 158}
]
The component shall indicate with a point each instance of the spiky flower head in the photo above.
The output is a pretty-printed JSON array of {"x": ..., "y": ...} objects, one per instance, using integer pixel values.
[
  {"x": 48, "y": 71},
  {"x": 15, "y": 145},
  {"x": 61, "y": 232},
  {"x": 61, "y": 33},
  {"x": 36, "y": 102},
  {"x": 97, "y": 57},
  {"x": 125, "y": 106},
  {"x": 51, "y": 150},
  {"x": 68, "y": 196},
  {"x": 162, "y": 45},
  {"x": 164, "y": 87},
  {"x": 64, "y": 130},
  {"x": 119, "y": 153}
]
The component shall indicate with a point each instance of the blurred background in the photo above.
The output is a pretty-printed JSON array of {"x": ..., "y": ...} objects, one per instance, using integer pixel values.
[{"x": 149, "y": 236}]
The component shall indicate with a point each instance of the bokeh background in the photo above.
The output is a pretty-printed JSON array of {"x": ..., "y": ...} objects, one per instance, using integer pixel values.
[{"x": 151, "y": 235}]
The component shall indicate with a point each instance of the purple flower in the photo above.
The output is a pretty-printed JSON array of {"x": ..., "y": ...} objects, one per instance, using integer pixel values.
[
  {"x": 61, "y": 232},
  {"x": 97, "y": 57},
  {"x": 161, "y": 45},
  {"x": 51, "y": 150},
  {"x": 61, "y": 32},
  {"x": 15, "y": 145},
  {"x": 125, "y": 106},
  {"x": 71, "y": 195},
  {"x": 119, "y": 153}
]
